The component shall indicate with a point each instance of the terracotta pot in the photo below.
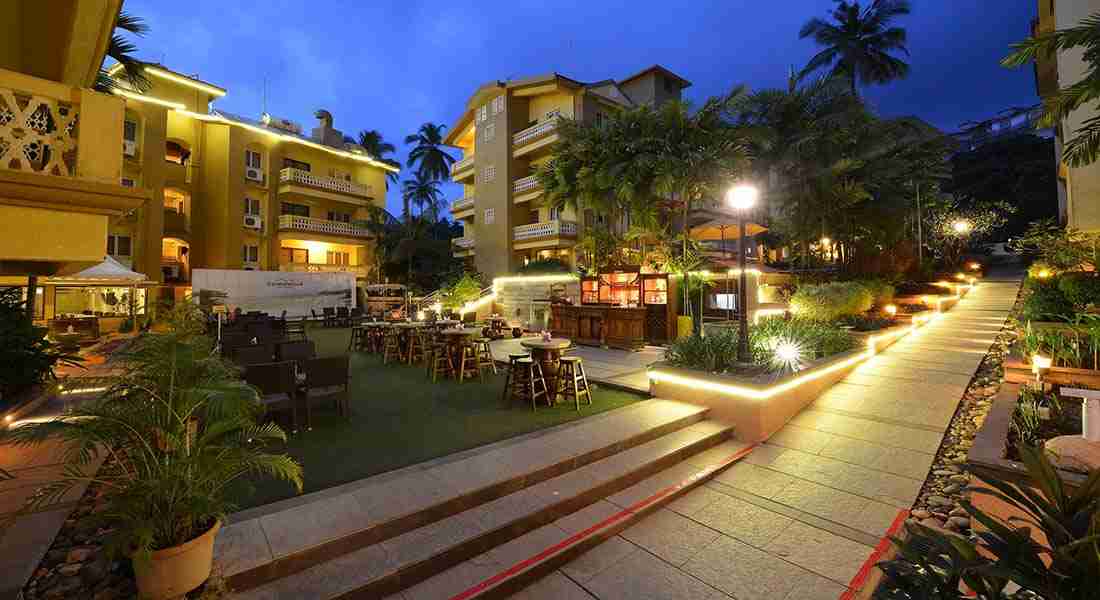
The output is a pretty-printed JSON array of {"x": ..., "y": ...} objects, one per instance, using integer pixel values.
[
  {"x": 684, "y": 327},
  {"x": 173, "y": 572}
]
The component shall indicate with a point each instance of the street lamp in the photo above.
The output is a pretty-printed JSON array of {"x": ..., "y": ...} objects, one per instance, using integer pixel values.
[{"x": 741, "y": 198}]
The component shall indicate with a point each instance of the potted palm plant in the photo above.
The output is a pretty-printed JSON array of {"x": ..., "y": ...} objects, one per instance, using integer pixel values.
[{"x": 176, "y": 426}]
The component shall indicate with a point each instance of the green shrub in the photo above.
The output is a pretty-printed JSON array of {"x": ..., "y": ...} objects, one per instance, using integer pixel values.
[
  {"x": 831, "y": 301},
  {"x": 881, "y": 290},
  {"x": 1080, "y": 289},
  {"x": 1046, "y": 303},
  {"x": 26, "y": 356},
  {"x": 717, "y": 352},
  {"x": 1041, "y": 270}
]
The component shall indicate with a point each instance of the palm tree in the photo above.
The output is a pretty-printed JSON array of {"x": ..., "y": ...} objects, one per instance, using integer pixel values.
[
  {"x": 428, "y": 153},
  {"x": 122, "y": 52},
  {"x": 859, "y": 41},
  {"x": 371, "y": 140},
  {"x": 423, "y": 192},
  {"x": 1084, "y": 148}
]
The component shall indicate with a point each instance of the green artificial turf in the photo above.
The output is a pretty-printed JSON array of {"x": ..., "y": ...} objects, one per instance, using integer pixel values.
[{"x": 399, "y": 417}]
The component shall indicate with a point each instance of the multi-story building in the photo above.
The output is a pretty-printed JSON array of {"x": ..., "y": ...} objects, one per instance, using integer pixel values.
[
  {"x": 1078, "y": 187},
  {"x": 507, "y": 130},
  {"x": 236, "y": 193},
  {"x": 60, "y": 165}
]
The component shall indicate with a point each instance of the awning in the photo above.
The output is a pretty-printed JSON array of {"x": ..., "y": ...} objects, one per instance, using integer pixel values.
[
  {"x": 723, "y": 229},
  {"x": 108, "y": 272}
]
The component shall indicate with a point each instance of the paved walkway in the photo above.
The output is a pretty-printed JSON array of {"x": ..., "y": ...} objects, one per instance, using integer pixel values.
[
  {"x": 797, "y": 519},
  {"x": 619, "y": 368}
]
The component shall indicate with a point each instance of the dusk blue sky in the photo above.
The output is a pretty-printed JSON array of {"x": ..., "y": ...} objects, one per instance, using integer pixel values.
[{"x": 394, "y": 65}]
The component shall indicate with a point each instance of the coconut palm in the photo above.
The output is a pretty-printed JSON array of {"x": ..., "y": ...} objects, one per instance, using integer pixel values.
[
  {"x": 122, "y": 50},
  {"x": 858, "y": 42},
  {"x": 1084, "y": 147},
  {"x": 423, "y": 192},
  {"x": 428, "y": 154},
  {"x": 371, "y": 140}
]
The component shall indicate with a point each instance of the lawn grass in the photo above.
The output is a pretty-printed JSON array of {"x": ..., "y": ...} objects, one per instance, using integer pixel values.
[{"x": 401, "y": 418}]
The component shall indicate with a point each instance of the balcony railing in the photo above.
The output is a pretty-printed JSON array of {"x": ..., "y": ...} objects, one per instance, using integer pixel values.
[
  {"x": 174, "y": 221},
  {"x": 320, "y": 182},
  {"x": 466, "y": 203},
  {"x": 534, "y": 132},
  {"x": 38, "y": 134},
  {"x": 323, "y": 268},
  {"x": 461, "y": 165},
  {"x": 549, "y": 229},
  {"x": 526, "y": 184},
  {"x": 463, "y": 243},
  {"x": 309, "y": 224}
]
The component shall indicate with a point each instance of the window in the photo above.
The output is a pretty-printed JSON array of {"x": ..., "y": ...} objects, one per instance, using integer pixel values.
[
  {"x": 39, "y": 303},
  {"x": 342, "y": 217},
  {"x": 670, "y": 86},
  {"x": 338, "y": 174},
  {"x": 725, "y": 301},
  {"x": 129, "y": 131},
  {"x": 252, "y": 206},
  {"x": 483, "y": 113},
  {"x": 553, "y": 213},
  {"x": 600, "y": 119},
  {"x": 252, "y": 159},
  {"x": 175, "y": 152},
  {"x": 294, "y": 255},
  {"x": 490, "y": 216},
  {"x": 128, "y": 182},
  {"x": 290, "y": 163},
  {"x": 118, "y": 245},
  {"x": 489, "y": 174},
  {"x": 489, "y": 132},
  {"x": 498, "y": 105},
  {"x": 338, "y": 258},
  {"x": 250, "y": 253},
  {"x": 298, "y": 210}
]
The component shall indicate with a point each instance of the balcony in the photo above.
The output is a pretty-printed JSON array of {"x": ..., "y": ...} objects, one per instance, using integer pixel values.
[
  {"x": 463, "y": 246},
  {"x": 526, "y": 189},
  {"x": 357, "y": 270},
  {"x": 539, "y": 136},
  {"x": 463, "y": 169},
  {"x": 463, "y": 207},
  {"x": 175, "y": 223},
  {"x": 550, "y": 234},
  {"x": 323, "y": 226},
  {"x": 302, "y": 182}
]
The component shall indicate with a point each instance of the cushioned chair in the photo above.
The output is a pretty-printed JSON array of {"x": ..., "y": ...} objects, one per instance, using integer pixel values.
[
  {"x": 296, "y": 351},
  {"x": 253, "y": 354},
  {"x": 277, "y": 386},
  {"x": 327, "y": 379}
]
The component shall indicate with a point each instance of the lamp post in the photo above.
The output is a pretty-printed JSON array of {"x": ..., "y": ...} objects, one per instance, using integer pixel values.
[{"x": 741, "y": 198}]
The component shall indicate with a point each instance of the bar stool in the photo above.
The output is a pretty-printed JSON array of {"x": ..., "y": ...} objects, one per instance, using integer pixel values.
[
  {"x": 528, "y": 382},
  {"x": 440, "y": 361},
  {"x": 573, "y": 381},
  {"x": 468, "y": 362},
  {"x": 484, "y": 354},
  {"x": 510, "y": 375},
  {"x": 415, "y": 352},
  {"x": 358, "y": 340},
  {"x": 391, "y": 346}
]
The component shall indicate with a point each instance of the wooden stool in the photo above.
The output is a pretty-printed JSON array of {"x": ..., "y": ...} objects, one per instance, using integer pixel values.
[
  {"x": 484, "y": 354},
  {"x": 358, "y": 340},
  {"x": 467, "y": 363},
  {"x": 391, "y": 346},
  {"x": 510, "y": 376},
  {"x": 440, "y": 362},
  {"x": 415, "y": 352},
  {"x": 528, "y": 382},
  {"x": 573, "y": 381}
]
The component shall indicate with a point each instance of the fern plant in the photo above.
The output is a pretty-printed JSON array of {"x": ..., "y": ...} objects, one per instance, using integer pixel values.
[{"x": 175, "y": 428}]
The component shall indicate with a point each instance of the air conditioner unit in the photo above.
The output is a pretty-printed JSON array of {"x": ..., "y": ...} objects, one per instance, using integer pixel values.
[
  {"x": 129, "y": 147},
  {"x": 128, "y": 182},
  {"x": 253, "y": 222},
  {"x": 254, "y": 174}
]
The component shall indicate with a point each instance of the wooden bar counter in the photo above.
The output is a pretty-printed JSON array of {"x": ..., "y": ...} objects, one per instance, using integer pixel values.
[{"x": 599, "y": 325}]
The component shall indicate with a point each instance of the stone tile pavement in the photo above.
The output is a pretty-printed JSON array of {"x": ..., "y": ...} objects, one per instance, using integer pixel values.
[{"x": 798, "y": 517}]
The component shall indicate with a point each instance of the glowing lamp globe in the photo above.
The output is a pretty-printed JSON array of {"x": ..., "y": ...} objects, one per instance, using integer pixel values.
[
  {"x": 961, "y": 226},
  {"x": 890, "y": 309},
  {"x": 742, "y": 197}
]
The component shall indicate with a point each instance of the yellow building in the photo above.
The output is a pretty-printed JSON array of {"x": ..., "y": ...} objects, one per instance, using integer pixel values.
[
  {"x": 238, "y": 193},
  {"x": 507, "y": 130},
  {"x": 1078, "y": 187},
  {"x": 60, "y": 165}
]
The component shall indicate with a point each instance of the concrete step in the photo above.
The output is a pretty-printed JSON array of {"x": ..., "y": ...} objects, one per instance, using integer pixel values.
[
  {"x": 276, "y": 541},
  {"x": 418, "y": 555},
  {"x": 512, "y": 566}
]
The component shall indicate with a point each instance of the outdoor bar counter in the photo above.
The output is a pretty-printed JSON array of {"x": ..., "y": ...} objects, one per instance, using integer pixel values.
[{"x": 600, "y": 325}]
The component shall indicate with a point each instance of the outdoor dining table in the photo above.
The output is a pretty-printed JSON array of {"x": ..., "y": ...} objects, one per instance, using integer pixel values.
[
  {"x": 455, "y": 336},
  {"x": 548, "y": 354}
]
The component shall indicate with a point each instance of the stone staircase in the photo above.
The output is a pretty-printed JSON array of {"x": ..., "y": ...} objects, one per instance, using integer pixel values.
[{"x": 500, "y": 514}]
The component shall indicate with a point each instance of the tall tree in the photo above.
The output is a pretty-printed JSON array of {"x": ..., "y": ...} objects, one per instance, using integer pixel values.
[
  {"x": 1084, "y": 147},
  {"x": 423, "y": 192},
  {"x": 122, "y": 50},
  {"x": 858, "y": 42},
  {"x": 428, "y": 155},
  {"x": 371, "y": 140}
]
